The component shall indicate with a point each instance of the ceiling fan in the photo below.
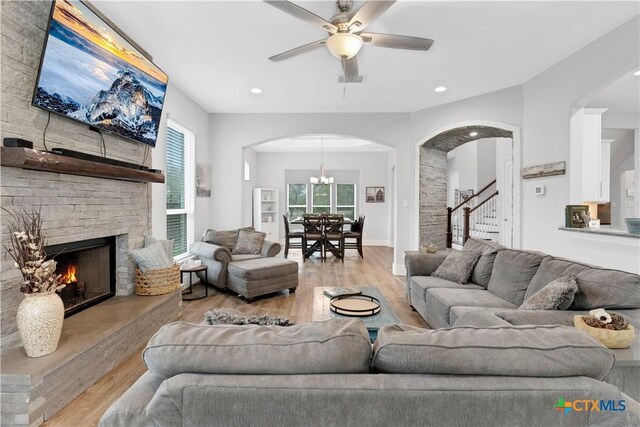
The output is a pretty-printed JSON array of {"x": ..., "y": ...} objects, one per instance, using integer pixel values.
[{"x": 346, "y": 35}]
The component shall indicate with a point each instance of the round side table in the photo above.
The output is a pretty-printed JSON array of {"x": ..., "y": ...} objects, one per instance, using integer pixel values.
[{"x": 188, "y": 295}]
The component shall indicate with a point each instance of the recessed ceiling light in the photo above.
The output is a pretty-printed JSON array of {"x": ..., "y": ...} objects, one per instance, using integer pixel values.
[
  {"x": 474, "y": 133},
  {"x": 256, "y": 90},
  {"x": 637, "y": 73},
  {"x": 440, "y": 89}
]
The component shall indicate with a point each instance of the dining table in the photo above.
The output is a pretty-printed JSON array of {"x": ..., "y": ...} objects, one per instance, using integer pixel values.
[{"x": 328, "y": 246}]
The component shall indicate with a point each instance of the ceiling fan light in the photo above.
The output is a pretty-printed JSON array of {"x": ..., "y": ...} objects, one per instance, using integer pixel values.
[{"x": 344, "y": 45}]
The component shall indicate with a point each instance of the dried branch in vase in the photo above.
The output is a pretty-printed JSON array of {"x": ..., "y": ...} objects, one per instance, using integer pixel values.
[{"x": 27, "y": 250}]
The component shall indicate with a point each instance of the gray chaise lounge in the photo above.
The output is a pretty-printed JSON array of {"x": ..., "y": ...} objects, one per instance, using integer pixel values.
[{"x": 246, "y": 275}]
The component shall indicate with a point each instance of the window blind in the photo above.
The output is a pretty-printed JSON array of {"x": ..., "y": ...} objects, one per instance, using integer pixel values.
[{"x": 180, "y": 181}]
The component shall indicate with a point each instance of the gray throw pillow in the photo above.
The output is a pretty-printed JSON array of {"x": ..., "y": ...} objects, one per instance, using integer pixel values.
[
  {"x": 152, "y": 257},
  {"x": 249, "y": 242},
  {"x": 457, "y": 266},
  {"x": 166, "y": 244},
  {"x": 225, "y": 238},
  {"x": 556, "y": 295}
]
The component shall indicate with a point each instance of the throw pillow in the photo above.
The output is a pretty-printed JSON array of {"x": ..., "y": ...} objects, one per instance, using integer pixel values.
[
  {"x": 166, "y": 244},
  {"x": 152, "y": 257},
  {"x": 249, "y": 242},
  {"x": 457, "y": 266},
  {"x": 557, "y": 295},
  {"x": 226, "y": 238},
  {"x": 229, "y": 316}
]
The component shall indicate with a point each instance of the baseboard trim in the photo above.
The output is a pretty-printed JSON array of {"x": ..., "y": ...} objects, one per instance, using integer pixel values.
[
  {"x": 367, "y": 242},
  {"x": 398, "y": 269}
]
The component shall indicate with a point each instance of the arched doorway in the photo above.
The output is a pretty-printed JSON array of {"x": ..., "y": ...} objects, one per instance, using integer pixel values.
[
  {"x": 288, "y": 163},
  {"x": 432, "y": 177}
]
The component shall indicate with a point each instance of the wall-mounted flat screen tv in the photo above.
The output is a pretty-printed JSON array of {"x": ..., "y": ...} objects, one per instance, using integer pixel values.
[{"x": 90, "y": 73}]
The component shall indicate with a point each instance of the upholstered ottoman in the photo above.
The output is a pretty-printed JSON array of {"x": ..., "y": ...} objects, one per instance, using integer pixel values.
[{"x": 260, "y": 276}]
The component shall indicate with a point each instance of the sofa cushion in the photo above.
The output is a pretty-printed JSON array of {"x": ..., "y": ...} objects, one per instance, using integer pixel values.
[
  {"x": 477, "y": 317},
  {"x": 521, "y": 351},
  {"x": 604, "y": 288},
  {"x": 440, "y": 301},
  {"x": 538, "y": 317},
  {"x": 420, "y": 284},
  {"x": 262, "y": 268},
  {"x": 458, "y": 311},
  {"x": 249, "y": 242},
  {"x": 512, "y": 273},
  {"x": 457, "y": 267},
  {"x": 557, "y": 295},
  {"x": 237, "y": 257},
  {"x": 482, "y": 271},
  {"x": 336, "y": 346},
  {"x": 550, "y": 269},
  {"x": 224, "y": 238}
]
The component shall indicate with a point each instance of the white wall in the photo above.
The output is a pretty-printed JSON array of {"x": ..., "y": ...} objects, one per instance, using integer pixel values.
[
  {"x": 370, "y": 170},
  {"x": 231, "y": 132},
  {"x": 548, "y": 101},
  {"x": 181, "y": 109},
  {"x": 621, "y": 160},
  {"x": 475, "y": 163},
  {"x": 464, "y": 161}
]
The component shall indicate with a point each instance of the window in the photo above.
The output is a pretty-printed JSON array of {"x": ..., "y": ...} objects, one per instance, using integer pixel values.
[
  {"x": 346, "y": 200},
  {"x": 180, "y": 186},
  {"x": 320, "y": 198},
  {"x": 296, "y": 200}
]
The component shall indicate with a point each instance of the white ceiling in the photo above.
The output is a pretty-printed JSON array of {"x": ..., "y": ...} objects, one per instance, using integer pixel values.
[
  {"x": 621, "y": 96},
  {"x": 215, "y": 51},
  {"x": 313, "y": 143}
]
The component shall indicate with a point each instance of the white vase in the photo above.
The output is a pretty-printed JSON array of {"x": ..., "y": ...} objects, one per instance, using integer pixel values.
[{"x": 40, "y": 318}]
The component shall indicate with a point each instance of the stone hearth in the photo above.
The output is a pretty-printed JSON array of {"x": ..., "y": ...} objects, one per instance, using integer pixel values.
[{"x": 93, "y": 342}]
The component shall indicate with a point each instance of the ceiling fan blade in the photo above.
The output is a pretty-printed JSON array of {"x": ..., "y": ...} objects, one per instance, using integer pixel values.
[
  {"x": 350, "y": 68},
  {"x": 396, "y": 41},
  {"x": 298, "y": 50},
  {"x": 304, "y": 14},
  {"x": 368, "y": 13}
]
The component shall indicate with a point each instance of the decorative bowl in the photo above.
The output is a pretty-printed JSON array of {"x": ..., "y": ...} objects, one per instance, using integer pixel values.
[
  {"x": 633, "y": 225},
  {"x": 429, "y": 249},
  {"x": 608, "y": 337}
]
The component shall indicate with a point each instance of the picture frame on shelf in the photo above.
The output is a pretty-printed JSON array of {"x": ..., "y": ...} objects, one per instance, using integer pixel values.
[{"x": 575, "y": 216}]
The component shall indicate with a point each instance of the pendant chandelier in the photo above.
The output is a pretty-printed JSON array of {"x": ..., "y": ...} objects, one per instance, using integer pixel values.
[{"x": 322, "y": 179}]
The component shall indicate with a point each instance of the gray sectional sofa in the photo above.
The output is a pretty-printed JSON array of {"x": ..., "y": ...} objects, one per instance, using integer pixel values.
[
  {"x": 503, "y": 278},
  {"x": 328, "y": 374}
]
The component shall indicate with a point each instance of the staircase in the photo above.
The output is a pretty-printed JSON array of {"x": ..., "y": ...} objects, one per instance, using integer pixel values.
[{"x": 470, "y": 218}]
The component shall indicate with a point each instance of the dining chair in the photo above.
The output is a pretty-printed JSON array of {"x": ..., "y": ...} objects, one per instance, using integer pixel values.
[
  {"x": 312, "y": 239},
  {"x": 353, "y": 237},
  {"x": 292, "y": 239},
  {"x": 333, "y": 235}
]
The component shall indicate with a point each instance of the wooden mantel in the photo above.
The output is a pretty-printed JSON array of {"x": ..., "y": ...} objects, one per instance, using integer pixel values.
[{"x": 27, "y": 158}]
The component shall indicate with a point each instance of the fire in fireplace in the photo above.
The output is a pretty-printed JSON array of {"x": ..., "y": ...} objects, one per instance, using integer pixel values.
[{"x": 87, "y": 268}]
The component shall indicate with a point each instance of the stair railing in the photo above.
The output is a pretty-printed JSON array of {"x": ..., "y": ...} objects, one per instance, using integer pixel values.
[
  {"x": 482, "y": 219},
  {"x": 467, "y": 211},
  {"x": 465, "y": 226}
]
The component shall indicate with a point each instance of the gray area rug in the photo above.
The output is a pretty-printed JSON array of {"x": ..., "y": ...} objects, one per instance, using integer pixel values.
[{"x": 229, "y": 316}]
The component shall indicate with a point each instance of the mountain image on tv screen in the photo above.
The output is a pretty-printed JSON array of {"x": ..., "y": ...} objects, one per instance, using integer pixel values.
[{"x": 92, "y": 74}]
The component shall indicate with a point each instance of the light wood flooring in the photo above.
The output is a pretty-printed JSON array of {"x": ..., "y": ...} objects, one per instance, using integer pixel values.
[{"x": 374, "y": 269}]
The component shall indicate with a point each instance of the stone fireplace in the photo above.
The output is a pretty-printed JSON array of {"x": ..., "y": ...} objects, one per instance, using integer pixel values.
[{"x": 87, "y": 269}]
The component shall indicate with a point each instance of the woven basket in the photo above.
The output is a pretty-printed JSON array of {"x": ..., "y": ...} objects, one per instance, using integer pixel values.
[{"x": 158, "y": 282}]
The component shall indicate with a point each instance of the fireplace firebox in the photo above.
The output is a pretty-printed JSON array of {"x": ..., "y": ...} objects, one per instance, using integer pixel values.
[{"x": 88, "y": 269}]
